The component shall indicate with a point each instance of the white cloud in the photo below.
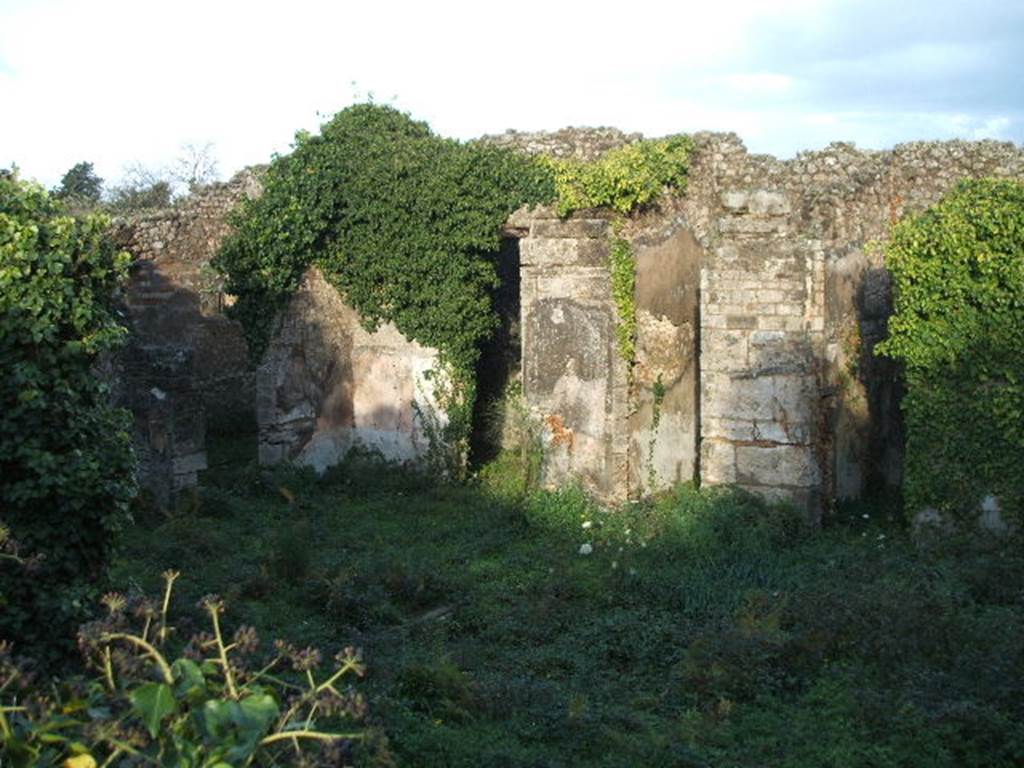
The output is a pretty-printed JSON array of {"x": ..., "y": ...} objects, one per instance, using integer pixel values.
[{"x": 116, "y": 81}]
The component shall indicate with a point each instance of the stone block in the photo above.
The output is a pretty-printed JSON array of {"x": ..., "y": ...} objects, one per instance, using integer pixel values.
[
  {"x": 756, "y": 431},
  {"x": 746, "y": 225},
  {"x": 723, "y": 350},
  {"x": 780, "y": 465},
  {"x": 717, "y": 462},
  {"x": 569, "y": 228},
  {"x": 784, "y": 399},
  {"x": 563, "y": 251}
]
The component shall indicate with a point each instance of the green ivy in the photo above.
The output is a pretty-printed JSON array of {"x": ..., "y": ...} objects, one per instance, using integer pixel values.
[
  {"x": 622, "y": 265},
  {"x": 959, "y": 329},
  {"x": 66, "y": 466},
  {"x": 625, "y": 179},
  {"x": 404, "y": 223}
]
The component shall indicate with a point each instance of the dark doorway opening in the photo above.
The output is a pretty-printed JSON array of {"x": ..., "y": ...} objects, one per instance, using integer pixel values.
[{"x": 499, "y": 359}]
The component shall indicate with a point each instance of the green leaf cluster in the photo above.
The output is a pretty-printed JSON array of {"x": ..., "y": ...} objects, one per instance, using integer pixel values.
[
  {"x": 958, "y": 271},
  {"x": 625, "y": 179},
  {"x": 66, "y": 466},
  {"x": 217, "y": 706}
]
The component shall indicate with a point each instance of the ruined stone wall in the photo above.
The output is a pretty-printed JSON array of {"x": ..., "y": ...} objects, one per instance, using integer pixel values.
[
  {"x": 800, "y": 407},
  {"x": 759, "y": 304},
  {"x": 758, "y": 283},
  {"x": 326, "y": 385},
  {"x": 577, "y": 143},
  {"x": 174, "y": 297},
  {"x": 186, "y": 365}
]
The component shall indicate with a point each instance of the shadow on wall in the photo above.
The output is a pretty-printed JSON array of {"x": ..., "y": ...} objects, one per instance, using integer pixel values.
[
  {"x": 866, "y": 421},
  {"x": 883, "y": 382},
  {"x": 500, "y": 360},
  {"x": 163, "y": 312},
  {"x": 326, "y": 385}
]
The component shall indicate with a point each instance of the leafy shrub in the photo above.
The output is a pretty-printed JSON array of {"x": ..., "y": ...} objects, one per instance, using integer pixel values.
[
  {"x": 625, "y": 179},
  {"x": 959, "y": 329},
  {"x": 130, "y": 198},
  {"x": 65, "y": 455},
  {"x": 214, "y": 705}
]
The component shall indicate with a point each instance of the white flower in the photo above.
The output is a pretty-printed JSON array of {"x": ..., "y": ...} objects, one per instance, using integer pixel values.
[
  {"x": 586, "y": 548},
  {"x": 615, "y": 564},
  {"x": 586, "y": 524}
]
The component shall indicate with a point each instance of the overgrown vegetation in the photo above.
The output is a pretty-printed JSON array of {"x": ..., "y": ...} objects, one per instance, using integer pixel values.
[
  {"x": 703, "y": 629},
  {"x": 622, "y": 266},
  {"x": 65, "y": 454},
  {"x": 959, "y": 329},
  {"x": 626, "y": 179}
]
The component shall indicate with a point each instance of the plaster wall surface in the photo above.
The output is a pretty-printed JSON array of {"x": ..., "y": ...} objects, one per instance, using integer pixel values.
[{"x": 326, "y": 385}]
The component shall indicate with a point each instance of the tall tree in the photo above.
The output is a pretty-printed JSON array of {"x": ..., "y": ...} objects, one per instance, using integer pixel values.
[{"x": 80, "y": 184}]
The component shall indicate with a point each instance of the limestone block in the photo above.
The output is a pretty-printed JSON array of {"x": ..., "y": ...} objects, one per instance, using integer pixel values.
[
  {"x": 760, "y": 202},
  {"x": 563, "y": 251},
  {"x": 783, "y": 399},
  {"x": 755, "y": 431},
  {"x": 744, "y": 225},
  {"x": 779, "y": 465},
  {"x": 717, "y": 462},
  {"x": 723, "y": 350},
  {"x": 779, "y": 352},
  {"x": 569, "y": 228}
]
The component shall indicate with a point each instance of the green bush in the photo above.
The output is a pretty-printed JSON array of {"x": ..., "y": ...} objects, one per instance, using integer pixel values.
[
  {"x": 959, "y": 329},
  {"x": 66, "y": 466},
  {"x": 625, "y": 179}
]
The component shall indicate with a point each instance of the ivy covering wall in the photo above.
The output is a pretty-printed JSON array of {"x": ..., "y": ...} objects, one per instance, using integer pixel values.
[
  {"x": 959, "y": 329},
  {"x": 403, "y": 222}
]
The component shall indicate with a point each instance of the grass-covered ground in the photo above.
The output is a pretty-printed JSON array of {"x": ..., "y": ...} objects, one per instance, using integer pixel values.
[{"x": 703, "y": 628}]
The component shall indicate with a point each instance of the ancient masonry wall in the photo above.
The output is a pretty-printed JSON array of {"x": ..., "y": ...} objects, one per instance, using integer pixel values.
[
  {"x": 327, "y": 385},
  {"x": 186, "y": 365},
  {"x": 759, "y": 303},
  {"x": 573, "y": 377},
  {"x": 760, "y": 285}
]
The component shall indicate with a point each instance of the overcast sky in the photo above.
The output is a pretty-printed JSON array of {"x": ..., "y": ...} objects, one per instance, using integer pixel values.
[{"x": 121, "y": 81}]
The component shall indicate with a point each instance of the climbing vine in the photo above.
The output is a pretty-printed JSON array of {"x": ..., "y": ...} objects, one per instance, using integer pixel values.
[
  {"x": 959, "y": 329},
  {"x": 623, "y": 270}
]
